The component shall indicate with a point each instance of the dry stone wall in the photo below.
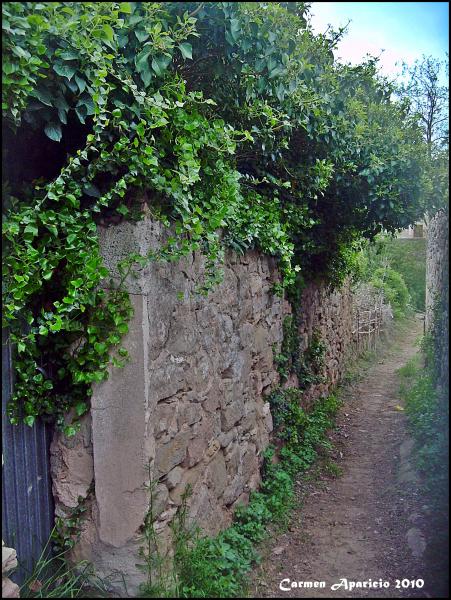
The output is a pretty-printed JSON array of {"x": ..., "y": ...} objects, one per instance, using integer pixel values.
[
  {"x": 437, "y": 288},
  {"x": 190, "y": 407},
  {"x": 190, "y": 404},
  {"x": 329, "y": 313}
]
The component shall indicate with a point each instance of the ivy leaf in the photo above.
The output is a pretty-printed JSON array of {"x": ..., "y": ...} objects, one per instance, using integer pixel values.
[
  {"x": 69, "y": 55},
  {"x": 69, "y": 431},
  {"x": 100, "y": 347},
  {"x": 81, "y": 408},
  {"x": 142, "y": 61},
  {"x": 53, "y": 229},
  {"x": 186, "y": 49},
  {"x": 65, "y": 69},
  {"x": 31, "y": 229},
  {"x": 123, "y": 210},
  {"x": 81, "y": 83},
  {"x": 29, "y": 420},
  {"x": 57, "y": 325},
  {"x": 43, "y": 96},
  {"x": 53, "y": 131},
  {"x": 235, "y": 29}
]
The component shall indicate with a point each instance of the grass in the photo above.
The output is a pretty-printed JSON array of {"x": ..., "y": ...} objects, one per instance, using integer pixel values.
[
  {"x": 427, "y": 412},
  {"x": 52, "y": 576}
]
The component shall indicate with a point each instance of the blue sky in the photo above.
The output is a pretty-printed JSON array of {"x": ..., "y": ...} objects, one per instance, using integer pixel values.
[{"x": 404, "y": 30}]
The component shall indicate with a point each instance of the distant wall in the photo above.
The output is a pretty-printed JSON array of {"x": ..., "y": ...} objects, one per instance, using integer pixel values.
[{"x": 437, "y": 289}]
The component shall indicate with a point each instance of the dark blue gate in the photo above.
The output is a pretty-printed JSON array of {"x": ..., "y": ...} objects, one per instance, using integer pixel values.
[{"x": 27, "y": 502}]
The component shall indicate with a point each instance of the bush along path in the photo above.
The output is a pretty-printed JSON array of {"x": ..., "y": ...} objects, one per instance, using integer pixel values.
[{"x": 364, "y": 518}]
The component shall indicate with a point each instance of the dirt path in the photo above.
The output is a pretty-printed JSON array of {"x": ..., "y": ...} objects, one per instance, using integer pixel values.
[{"x": 370, "y": 522}]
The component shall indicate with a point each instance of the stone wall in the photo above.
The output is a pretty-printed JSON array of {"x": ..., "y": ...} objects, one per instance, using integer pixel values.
[
  {"x": 190, "y": 406},
  {"x": 437, "y": 288},
  {"x": 9, "y": 563},
  {"x": 329, "y": 313}
]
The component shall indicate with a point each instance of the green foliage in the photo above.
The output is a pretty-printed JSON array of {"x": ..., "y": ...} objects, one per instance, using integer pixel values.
[
  {"x": 395, "y": 290},
  {"x": 52, "y": 576},
  {"x": 310, "y": 370},
  {"x": 236, "y": 120},
  {"x": 406, "y": 256},
  {"x": 307, "y": 365},
  {"x": 428, "y": 412},
  {"x": 66, "y": 531}
]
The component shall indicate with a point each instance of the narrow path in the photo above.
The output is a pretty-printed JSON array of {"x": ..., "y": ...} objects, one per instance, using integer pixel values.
[{"x": 370, "y": 522}]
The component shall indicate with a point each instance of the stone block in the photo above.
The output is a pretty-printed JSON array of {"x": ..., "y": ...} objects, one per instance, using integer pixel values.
[
  {"x": 173, "y": 453},
  {"x": 216, "y": 475}
]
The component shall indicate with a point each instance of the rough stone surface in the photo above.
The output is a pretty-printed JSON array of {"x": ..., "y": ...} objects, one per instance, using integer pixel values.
[
  {"x": 329, "y": 312},
  {"x": 9, "y": 562},
  {"x": 437, "y": 289},
  {"x": 9, "y": 589},
  {"x": 72, "y": 467}
]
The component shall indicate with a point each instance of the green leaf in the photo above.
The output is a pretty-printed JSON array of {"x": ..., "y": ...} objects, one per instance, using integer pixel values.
[
  {"x": 72, "y": 199},
  {"x": 29, "y": 420},
  {"x": 69, "y": 431},
  {"x": 81, "y": 84},
  {"x": 81, "y": 408},
  {"x": 160, "y": 63},
  {"x": 43, "y": 96},
  {"x": 65, "y": 69},
  {"x": 125, "y": 7},
  {"x": 100, "y": 347},
  {"x": 141, "y": 35},
  {"x": 123, "y": 210},
  {"x": 31, "y": 229},
  {"x": 53, "y": 131},
  {"x": 142, "y": 60},
  {"x": 109, "y": 33},
  {"x": 186, "y": 49}
]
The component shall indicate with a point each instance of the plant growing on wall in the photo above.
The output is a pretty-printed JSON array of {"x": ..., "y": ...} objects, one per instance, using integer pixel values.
[{"x": 236, "y": 120}]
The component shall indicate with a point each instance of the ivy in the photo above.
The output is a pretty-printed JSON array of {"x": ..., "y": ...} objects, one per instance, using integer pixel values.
[{"x": 236, "y": 120}]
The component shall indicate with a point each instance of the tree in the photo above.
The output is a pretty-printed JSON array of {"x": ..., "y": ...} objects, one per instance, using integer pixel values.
[{"x": 429, "y": 99}]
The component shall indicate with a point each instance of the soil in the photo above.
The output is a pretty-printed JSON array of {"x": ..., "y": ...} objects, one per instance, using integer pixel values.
[{"x": 364, "y": 517}]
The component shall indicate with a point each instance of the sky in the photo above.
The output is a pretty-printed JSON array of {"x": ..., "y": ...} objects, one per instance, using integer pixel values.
[{"x": 404, "y": 30}]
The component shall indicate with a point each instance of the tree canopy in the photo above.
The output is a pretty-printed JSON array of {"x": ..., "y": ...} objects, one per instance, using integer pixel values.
[{"x": 236, "y": 120}]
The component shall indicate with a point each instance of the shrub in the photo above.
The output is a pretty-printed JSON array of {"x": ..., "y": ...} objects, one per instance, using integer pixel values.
[{"x": 394, "y": 288}]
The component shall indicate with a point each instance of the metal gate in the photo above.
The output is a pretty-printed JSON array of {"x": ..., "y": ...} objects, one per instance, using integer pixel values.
[{"x": 27, "y": 502}]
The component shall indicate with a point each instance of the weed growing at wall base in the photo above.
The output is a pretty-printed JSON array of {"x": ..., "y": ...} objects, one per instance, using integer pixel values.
[
  {"x": 216, "y": 567},
  {"x": 428, "y": 419}
]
